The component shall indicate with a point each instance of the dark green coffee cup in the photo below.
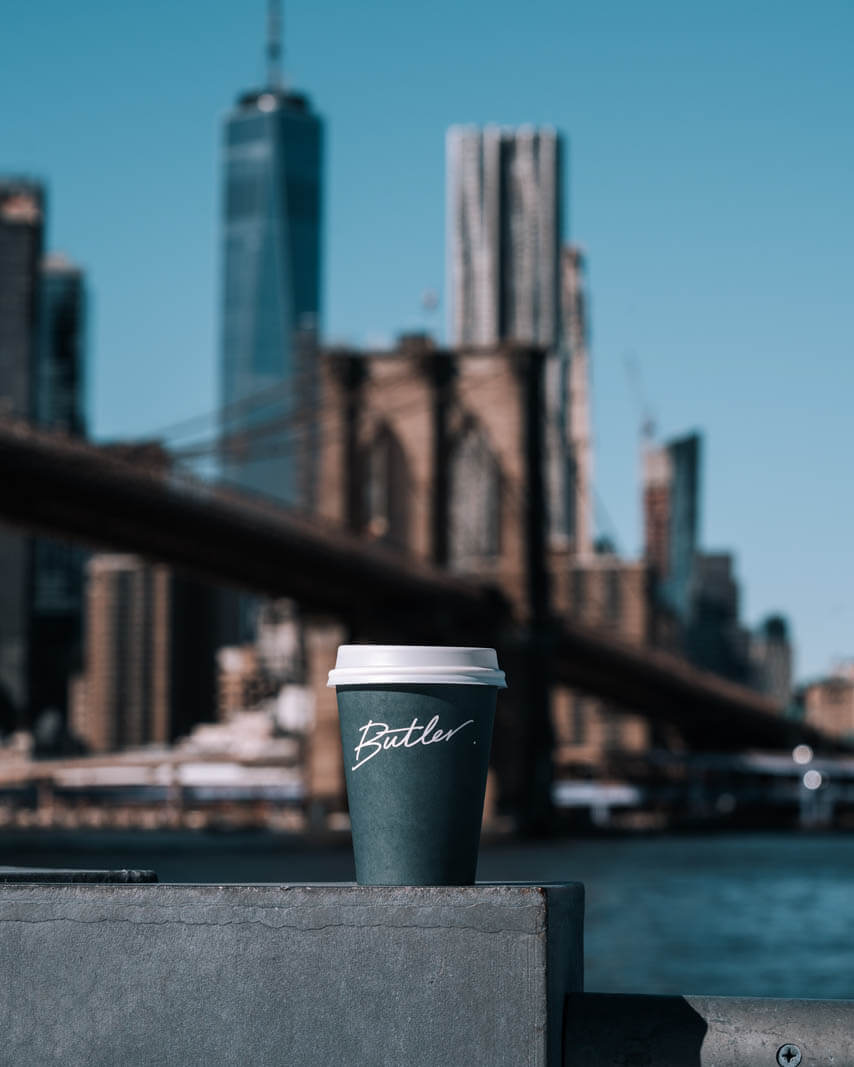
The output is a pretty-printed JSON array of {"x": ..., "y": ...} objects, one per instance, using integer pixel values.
[{"x": 416, "y": 729}]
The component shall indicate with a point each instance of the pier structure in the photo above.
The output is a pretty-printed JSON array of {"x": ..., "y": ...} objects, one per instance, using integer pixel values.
[{"x": 114, "y": 968}]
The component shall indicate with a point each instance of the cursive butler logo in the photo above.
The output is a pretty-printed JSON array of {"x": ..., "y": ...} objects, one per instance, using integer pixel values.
[{"x": 374, "y": 737}]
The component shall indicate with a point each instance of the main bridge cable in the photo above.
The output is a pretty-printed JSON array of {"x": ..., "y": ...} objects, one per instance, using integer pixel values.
[
  {"x": 297, "y": 419},
  {"x": 280, "y": 391},
  {"x": 295, "y": 416},
  {"x": 287, "y": 445}
]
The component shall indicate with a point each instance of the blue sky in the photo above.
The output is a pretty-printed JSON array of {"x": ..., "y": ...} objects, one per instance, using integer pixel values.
[{"x": 711, "y": 167}]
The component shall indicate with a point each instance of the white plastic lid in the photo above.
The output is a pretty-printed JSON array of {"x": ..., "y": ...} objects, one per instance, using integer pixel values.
[{"x": 416, "y": 665}]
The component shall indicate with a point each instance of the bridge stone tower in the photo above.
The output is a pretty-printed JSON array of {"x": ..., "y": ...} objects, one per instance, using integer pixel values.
[{"x": 439, "y": 454}]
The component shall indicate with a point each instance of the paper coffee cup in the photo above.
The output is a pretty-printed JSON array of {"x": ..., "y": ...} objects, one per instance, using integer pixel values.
[{"x": 416, "y": 729}]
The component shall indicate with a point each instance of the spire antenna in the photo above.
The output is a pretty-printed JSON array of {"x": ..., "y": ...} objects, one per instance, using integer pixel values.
[{"x": 274, "y": 44}]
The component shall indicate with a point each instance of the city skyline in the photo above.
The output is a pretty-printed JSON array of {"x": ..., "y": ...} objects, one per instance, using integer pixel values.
[{"x": 752, "y": 300}]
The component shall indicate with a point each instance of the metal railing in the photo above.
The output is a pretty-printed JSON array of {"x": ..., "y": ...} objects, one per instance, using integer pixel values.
[{"x": 602, "y": 1030}]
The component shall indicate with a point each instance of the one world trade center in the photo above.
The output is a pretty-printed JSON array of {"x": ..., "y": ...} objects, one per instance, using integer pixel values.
[{"x": 271, "y": 295}]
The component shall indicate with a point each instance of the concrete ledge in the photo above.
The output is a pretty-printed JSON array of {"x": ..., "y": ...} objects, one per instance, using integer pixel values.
[{"x": 271, "y": 974}]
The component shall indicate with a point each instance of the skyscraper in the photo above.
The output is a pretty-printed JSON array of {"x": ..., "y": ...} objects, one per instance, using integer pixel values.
[
  {"x": 59, "y": 387},
  {"x": 714, "y": 638},
  {"x": 149, "y": 672},
  {"x": 771, "y": 660},
  {"x": 504, "y": 229},
  {"x": 656, "y": 509},
  {"x": 696, "y": 593},
  {"x": 271, "y": 297},
  {"x": 22, "y": 205},
  {"x": 672, "y": 519},
  {"x": 684, "y": 536},
  {"x": 576, "y": 435},
  {"x": 42, "y": 370},
  {"x": 125, "y": 697},
  {"x": 21, "y": 239},
  {"x": 59, "y": 404}
]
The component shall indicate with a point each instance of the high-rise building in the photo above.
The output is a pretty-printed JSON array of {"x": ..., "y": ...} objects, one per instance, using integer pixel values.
[
  {"x": 149, "y": 665},
  {"x": 509, "y": 282},
  {"x": 771, "y": 660},
  {"x": 714, "y": 638},
  {"x": 58, "y": 403},
  {"x": 696, "y": 593},
  {"x": 672, "y": 519},
  {"x": 127, "y": 655},
  {"x": 656, "y": 510},
  {"x": 22, "y": 205},
  {"x": 684, "y": 520},
  {"x": 42, "y": 371},
  {"x": 59, "y": 386},
  {"x": 271, "y": 295},
  {"x": 574, "y": 416},
  {"x": 504, "y": 230},
  {"x": 22, "y": 208}
]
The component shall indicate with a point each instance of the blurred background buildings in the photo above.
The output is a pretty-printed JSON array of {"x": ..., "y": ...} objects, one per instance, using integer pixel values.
[
  {"x": 42, "y": 381},
  {"x": 504, "y": 231},
  {"x": 445, "y": 455}
]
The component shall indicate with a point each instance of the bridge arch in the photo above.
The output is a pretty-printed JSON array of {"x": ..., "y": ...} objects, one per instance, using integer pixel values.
[
  {"x": 387, "y": 488},
  {"x": 475, "y": 499}
]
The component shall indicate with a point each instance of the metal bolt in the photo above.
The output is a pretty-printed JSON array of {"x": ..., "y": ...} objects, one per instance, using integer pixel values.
[{"x": 789, "y": 1056}]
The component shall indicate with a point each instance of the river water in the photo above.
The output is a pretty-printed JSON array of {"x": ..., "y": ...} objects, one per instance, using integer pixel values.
[{"x": 731, "y": 915}]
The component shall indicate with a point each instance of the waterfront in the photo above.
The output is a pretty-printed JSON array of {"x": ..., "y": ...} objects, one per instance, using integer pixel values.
[{"x": 730, "y": 915}]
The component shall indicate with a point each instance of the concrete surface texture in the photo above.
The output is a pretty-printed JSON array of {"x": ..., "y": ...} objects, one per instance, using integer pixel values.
[{"x": 287, "y": 974}]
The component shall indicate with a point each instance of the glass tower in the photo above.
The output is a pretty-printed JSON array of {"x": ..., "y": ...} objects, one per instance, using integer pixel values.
[
  {"x": 57, "y": 567},
  {"x": 272, "y": 213},
  {"x": 684, "y": 456},
  {"x": 59, "y": 380}
]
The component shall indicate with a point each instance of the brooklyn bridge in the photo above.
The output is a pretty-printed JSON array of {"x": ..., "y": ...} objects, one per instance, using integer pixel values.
[{"x": 387, "y": 569}]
